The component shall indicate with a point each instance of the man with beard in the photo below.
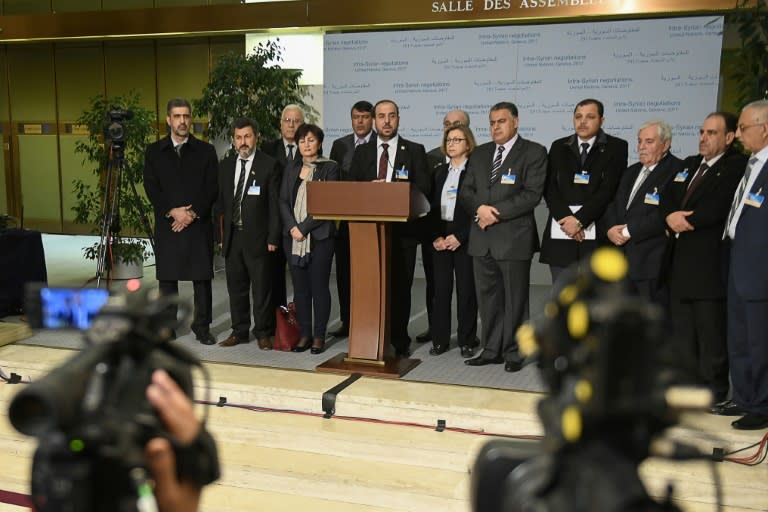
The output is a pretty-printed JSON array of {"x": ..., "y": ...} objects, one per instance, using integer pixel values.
[
  {"x": 180, "y": 181},
  {"x": 390, "y": 158},
  {"x": 249, "y": 185}
]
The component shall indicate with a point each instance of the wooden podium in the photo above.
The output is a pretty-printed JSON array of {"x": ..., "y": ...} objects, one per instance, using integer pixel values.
[{"x": 370, "y": 209}]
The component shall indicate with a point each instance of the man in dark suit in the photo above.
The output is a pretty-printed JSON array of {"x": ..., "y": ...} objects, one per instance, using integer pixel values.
[
  {"x": 504, "y": 183},
  {"x": 285, "y": 150},
  {"x": 695, "y": 206},
  {"x": 635, "y": 222},
  {"x": 341, "y": 152},
  {"x": 180, "y": 181},
  {"x": 583, "y": 172},
  {"x": 248, "y": 198},
  {"x": 388, "y": 158},
  {"x": 435, "y": 158},
  {"x": 747, "y": 230}
]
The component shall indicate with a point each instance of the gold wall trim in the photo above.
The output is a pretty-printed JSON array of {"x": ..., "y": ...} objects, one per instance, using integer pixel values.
[{"x": 326, "y": 14}]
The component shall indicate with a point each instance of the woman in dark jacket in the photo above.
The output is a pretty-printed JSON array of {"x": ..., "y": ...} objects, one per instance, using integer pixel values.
[
  {"x": 308, "y": 243},
  {"x": 450, "y": 224}
]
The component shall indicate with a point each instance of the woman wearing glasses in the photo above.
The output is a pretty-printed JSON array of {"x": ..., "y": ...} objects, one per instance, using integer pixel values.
[
  {"x": 308, "y": 243},
  {"x": 449, "y": 224}
]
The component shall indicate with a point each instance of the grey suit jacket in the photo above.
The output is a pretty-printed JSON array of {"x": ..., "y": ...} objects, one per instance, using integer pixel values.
[{"x": 515, "y": 236}]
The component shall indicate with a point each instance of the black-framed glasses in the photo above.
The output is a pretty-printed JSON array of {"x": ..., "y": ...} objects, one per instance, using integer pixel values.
[{"x": 454, "y": 140}]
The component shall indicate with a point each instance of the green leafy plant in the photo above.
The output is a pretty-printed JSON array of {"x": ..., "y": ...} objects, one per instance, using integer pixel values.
[
  {"x": 246, "y": 85},
  {"x": 749, "y": 66},
  {"x": 90, "y": 198}
]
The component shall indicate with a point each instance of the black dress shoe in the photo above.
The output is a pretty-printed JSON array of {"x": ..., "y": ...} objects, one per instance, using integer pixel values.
[
  {"x": 751, "y": 421},
  {"x": 205, "y": 337},
  {"x": 304, "y": 344},
  {"x": 424, "y": 337},
  {"x": 467, "y": 351},
  {"x": 727, "y": 408},
  {"x": 318, "y": 346},
  {"x": 482, "y": 361},
  {"x": 513, "y": 366},
  {"x": 341, "y": 332},
  {"x": 438, "y": 349}
]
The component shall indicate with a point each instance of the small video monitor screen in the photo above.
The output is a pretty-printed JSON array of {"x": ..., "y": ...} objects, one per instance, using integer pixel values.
[{"x": 67, "y": 308}]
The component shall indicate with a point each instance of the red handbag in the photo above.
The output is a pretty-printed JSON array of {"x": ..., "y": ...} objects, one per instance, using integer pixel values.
[{"x": 287, "y": 330}]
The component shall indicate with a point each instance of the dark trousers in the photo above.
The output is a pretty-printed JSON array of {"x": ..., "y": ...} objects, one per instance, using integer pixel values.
[
  {"x": 311, "y": 291},
  {"x": 748, "y": 350},
  {"x": 446, "y": 264},
  {"x": 277, "y": 277},
  {"x": 203, "y": 301},
  {"x": 249, "y": 273},
  {"x": 652, "y": 290},
  {"x": 342, "y": 271},
  {"x": 502, "y": 288},
  {"x": 403, "y": 264},
  {"x": 699, "y": 341},
  {"x": 429, "y": 276}
]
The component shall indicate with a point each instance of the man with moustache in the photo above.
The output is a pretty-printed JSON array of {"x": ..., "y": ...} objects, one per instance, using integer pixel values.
[
  {"x": 180, "y": 182},
  {"x": 504, "y": 183},
  {"x": 583, "y": 173},
  {"x": 285, "y": 150},
  {"x": 636, "y": 224},
  {"x": 695, "y": 207},
  {"x": 392, "y": 158},
  {"x": 248, "y": 197},
  {"x": 747, "y": 231},
  {"x": 341, "y": 152}
]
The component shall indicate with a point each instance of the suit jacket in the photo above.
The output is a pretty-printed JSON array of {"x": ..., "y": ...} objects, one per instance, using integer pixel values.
[
  {"x": 261, "y": 218},
  {"x": 748, "y": 269},
  {"x": 606, "y": 161},
  {"x": 327, "y": 170},
  {"x": 342, "y": 150},
  {"x": 462, "y": 220},
  {"x": 276, "y": 149},
  {"x": 515, "y": 236},
  {"x": 645, "y": 222},
  {"x": 693, "y": 259},
  {"x": 171, "y": 181},
  {"x": 410, "y": 155},
  {"x": 435, "y": 158}
]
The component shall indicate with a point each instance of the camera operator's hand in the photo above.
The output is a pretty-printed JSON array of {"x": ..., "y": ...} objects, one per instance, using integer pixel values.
[{"x": 177, "y": 414}]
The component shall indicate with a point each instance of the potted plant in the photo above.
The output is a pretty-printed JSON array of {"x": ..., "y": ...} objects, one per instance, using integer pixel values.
[
  {"x": 749, "y": 65},
  {"x": 113, "y": 206},
  {"x": 248, "y": 86}
]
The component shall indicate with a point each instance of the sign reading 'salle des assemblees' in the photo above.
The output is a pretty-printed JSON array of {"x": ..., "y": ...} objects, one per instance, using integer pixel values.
[{"x": 553, "y": 8}]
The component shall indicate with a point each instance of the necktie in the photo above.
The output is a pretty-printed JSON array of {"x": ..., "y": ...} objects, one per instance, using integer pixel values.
[
  {"x": 695, "y": 181},
  {"x": 359, "y": 141},
  {"x": 383, "y": 162},
  {"x": 290, "y": 152},
  {"x": 739, "y": 194},
  {"x": 237, "y": 217},
  {"x": 638, "y": 183},
  {"x": 584, "y": 152},
  {"x": 496, "y": 165},
  {"x": 177, "y": 148}
]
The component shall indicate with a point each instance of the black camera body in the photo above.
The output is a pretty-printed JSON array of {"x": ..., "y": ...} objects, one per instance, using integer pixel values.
[
  {"x": 114, "y": 127},
  {"x": 93, "y": 420}
]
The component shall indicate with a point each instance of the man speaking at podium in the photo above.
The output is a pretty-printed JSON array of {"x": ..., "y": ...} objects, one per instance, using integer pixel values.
[{"x": 391, "y": 158}]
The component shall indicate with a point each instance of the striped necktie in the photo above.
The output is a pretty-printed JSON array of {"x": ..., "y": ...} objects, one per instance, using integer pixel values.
[
  {"x": 496, "y": 165},
  {"x": 739, "y": 194}
]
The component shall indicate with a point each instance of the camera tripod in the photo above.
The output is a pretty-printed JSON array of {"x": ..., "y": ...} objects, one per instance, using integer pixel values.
[{"x": 110, "y": 209}]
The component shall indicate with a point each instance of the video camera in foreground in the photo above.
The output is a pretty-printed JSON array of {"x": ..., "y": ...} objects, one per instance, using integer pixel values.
[
  {"x": 92, "y": 418},
  {"x": 609, "y": 400}
]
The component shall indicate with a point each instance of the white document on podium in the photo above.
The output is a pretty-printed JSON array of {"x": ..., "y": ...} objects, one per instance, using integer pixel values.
[{"x": 556, "y": 233}]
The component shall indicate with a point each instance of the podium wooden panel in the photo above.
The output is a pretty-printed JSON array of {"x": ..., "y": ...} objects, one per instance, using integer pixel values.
[{"x": 370, "y": 209}]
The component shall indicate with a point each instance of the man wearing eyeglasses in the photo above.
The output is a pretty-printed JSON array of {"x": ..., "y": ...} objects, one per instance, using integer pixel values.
[
  {"x": 286, "y": 151},
  {"x": 747, "y": 230},
  {"x": 583, "y": 172}
]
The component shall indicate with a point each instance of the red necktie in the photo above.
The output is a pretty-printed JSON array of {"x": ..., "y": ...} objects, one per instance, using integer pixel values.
[{"x": 383, "y": 162}]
